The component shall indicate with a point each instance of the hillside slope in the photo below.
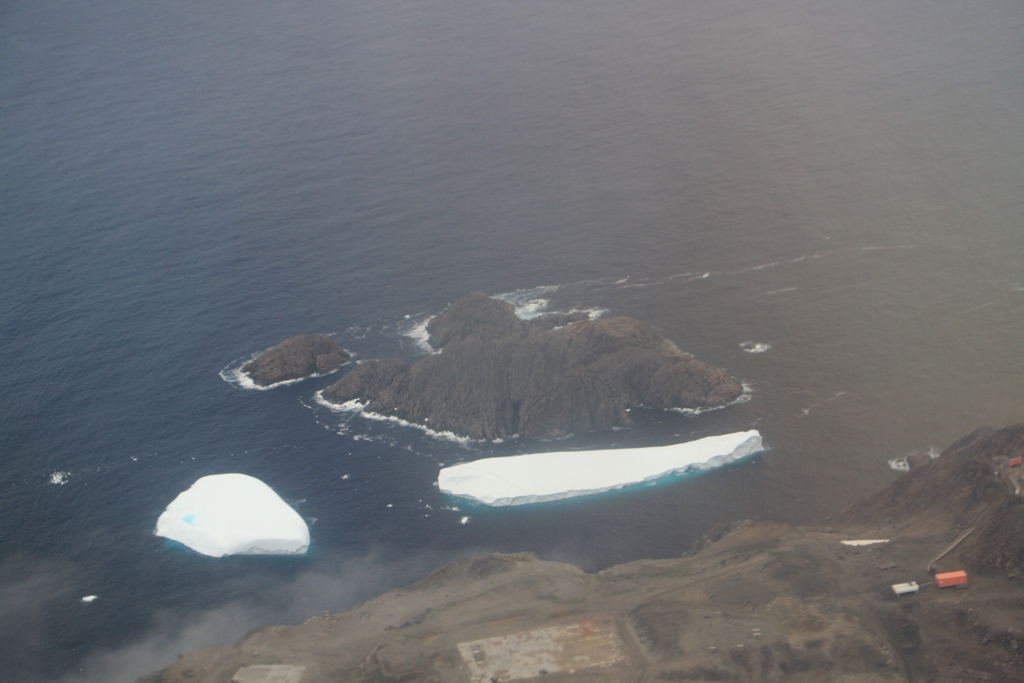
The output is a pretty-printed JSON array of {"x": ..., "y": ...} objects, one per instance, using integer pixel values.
[{"x": 758, "y": 602}]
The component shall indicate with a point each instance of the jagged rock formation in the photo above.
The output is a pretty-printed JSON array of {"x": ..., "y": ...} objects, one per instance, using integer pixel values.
[
  {"x": 760, "y": 602},
  {"x": 498, "y": 376},
  {"x": 296, "y": 358}
]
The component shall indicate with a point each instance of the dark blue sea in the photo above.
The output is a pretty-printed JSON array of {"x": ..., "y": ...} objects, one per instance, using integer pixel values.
[{"x": 824, "y": 198}]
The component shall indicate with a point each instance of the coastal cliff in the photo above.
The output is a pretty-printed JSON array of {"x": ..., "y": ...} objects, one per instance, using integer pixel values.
[
  {"x": 497, "y": 376},
  {"x": 756, "y": 602}
]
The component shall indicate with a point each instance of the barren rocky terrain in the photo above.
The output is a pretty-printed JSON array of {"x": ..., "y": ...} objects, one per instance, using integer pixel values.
[
  {"x": 296, "y": 358},
  {"x": 756, "y": 602},
  {"x": 497, "y": 376}
]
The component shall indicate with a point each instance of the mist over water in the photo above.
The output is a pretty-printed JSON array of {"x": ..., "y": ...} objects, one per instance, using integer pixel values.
[{"x": 836, "y": 186}]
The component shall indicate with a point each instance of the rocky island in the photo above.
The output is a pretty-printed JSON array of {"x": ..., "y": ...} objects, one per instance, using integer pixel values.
[
  {"x": 756, "y": 602},
  {"x": 296, "y": 358},
  {"x": 497, "y": 376}
]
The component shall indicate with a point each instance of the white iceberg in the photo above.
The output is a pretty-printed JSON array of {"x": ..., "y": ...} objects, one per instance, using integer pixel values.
[
  {"x": 233, "y": 514},
  {"x": 539, "y": 477}
]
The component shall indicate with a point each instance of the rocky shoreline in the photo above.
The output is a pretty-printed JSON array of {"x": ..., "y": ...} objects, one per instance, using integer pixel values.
[
  {"x": 756, "y": 602},
  {"x": 497, "y": 376},
  {"x": 299, "y": 357}
]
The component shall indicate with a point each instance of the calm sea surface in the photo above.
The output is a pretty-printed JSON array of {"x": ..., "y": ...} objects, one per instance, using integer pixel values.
[{"x": 837, "y": 185}]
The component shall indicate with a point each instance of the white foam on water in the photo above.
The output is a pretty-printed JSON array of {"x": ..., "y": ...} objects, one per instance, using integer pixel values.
[
  {"x": 59, "y": 478},
  {"x": 755, "y": 347},
  {"x": 781, "y": 291},
  {"x": 542, "y": 477},
  {"x": 355, "y": 406},
  {"x": 690, "y": 277},
  {"x": 529, "y": 303},
  {"x": 532, "y": 308},
  {"x": 763, "y": 266},
  {"x": 807, "y": 411},
  {"x": 646, "y": 282},
  {"x": 416, "y": 330},
  {"x": 887, "y": 248},
  {"x": 232, "y": 373},
  {"x": 592, "y": 313},
  {"x": 443, "y": 435},
  {"x": 748, "y": 391}
]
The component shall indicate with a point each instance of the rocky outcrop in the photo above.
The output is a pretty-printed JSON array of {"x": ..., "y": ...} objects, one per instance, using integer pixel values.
[
  {"x": 971, "y": 485},
  {"x": 476, "y": 317},
  {"x": 498, "y": 376},
  {"x": 296, "y": 358}
]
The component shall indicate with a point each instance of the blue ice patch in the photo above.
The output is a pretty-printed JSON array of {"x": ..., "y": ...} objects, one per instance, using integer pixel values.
[{"x": 189, "y": 519}]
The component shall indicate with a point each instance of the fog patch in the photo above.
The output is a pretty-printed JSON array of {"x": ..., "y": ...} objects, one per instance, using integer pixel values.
[
  {"x": 332, "y": 589},
  {"x": 28, "y": 591}
]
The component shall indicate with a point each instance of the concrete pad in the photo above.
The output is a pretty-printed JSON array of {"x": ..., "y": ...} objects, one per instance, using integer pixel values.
[
  {"x": 527, "y": 654},
  {"x": 269, "y": 673}
]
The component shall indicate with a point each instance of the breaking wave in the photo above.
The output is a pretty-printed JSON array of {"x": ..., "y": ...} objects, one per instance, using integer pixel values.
[
  {"x": 356, "y": 407},
  {"x": 233, "y": 374},
  {"x": 754, "y": 347}
]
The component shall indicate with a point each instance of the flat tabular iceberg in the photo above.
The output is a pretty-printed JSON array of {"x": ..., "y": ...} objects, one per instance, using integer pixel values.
[
  {"x": 539, "y": 477},
  {"x": 233, "y": 514}
]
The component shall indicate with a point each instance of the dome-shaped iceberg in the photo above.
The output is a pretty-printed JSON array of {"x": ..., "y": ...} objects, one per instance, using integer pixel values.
[{"x": 233, "y": 514}]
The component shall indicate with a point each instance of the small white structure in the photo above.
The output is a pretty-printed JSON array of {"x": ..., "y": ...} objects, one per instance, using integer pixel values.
[
  {"x": 904, "y": 588},
  {"x": 868, "y": 541},
  {"x": 233, "y": 514},
  {"x": 539, "y": 477}
]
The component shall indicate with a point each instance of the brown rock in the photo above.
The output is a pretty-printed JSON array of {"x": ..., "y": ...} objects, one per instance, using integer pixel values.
[
  {"x": 499, "y": 376},
  {"x": 476, "y": 317},
  {"x": 296, "y": 358}
]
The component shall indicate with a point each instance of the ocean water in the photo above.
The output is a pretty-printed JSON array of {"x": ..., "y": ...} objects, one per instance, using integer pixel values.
[{"x": 822, "y": 197}]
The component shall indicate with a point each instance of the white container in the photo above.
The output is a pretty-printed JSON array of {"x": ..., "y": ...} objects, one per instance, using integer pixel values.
[{"x": 904, "y": 588}]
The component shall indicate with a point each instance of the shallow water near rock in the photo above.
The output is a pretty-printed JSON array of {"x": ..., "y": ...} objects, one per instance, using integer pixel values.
[{"x": 183, "y": 186}]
